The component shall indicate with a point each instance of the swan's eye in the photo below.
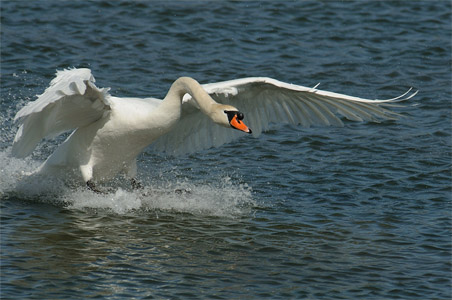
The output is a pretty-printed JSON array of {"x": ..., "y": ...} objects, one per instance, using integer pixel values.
[{"x": 233, "y": 113}]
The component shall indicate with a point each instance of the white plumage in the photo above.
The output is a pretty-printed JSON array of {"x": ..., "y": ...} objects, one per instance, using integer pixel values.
[{"x": 109, "y": 132}]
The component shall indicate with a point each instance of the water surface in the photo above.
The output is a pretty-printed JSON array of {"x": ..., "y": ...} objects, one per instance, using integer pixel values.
[{"x": 359, "y": 212}]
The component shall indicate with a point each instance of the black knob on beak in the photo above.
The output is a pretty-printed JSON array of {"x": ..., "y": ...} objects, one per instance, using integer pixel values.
[{"x": 240, "y": 116}]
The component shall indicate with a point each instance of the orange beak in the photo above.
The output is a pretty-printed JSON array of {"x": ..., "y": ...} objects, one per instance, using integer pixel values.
[{"x": 239, "y": 125}]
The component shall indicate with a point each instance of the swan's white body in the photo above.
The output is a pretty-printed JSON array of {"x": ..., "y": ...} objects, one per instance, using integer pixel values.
[{"x": 110, "y": 132}]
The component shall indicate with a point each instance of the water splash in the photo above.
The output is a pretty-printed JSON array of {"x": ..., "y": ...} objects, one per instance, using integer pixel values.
[{"x": 223, "y": 197}]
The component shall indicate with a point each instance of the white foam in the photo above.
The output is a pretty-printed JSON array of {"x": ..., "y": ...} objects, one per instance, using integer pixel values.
[
  {"x": 222, "y": 197},
  {"x": 13, "y": 170}
]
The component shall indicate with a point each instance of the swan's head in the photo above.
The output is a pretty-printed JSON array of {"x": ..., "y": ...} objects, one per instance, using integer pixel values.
[{"x": 229, "y": 116}]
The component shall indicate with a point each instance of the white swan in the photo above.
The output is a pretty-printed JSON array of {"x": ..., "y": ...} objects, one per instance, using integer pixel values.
[{"x": 110, "y": 132}]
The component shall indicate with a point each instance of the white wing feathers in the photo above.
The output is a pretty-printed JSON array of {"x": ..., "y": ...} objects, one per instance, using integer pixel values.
[
  {"x": 71, "y": 101},
  {"x": 264, "y": 101}
]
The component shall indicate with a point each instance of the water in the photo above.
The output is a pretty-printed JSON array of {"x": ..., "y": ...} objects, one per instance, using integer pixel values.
[{"x": 359, "y": 212}]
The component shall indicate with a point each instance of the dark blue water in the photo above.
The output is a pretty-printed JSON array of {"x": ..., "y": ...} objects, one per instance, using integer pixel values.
[{"x": 359, "y": 212}]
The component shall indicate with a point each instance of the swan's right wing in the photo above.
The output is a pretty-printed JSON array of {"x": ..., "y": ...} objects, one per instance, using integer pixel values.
[
  {"x": 71, "y": 101},
  {"x": 265, "y": 101}
]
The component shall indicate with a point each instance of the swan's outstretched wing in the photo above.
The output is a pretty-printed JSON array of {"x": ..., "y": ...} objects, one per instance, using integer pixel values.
[
  {"x": 71, "y": 101},
  {"x": 264, "y": 101}
]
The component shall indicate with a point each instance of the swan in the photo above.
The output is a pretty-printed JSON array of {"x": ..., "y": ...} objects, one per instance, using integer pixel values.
[{"x": 110, "y": 132}]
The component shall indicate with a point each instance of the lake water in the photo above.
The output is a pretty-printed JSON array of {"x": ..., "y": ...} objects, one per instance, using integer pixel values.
[{"x": 359, "y": 212}]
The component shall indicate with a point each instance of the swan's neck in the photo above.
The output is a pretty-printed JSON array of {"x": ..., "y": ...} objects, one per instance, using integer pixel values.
[
  {"x": 182, "y": 86},
  {"x": 166, "y": 116}
]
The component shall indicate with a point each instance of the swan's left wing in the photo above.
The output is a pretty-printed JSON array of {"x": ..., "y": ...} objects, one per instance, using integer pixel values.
[
  {"x": 72, "y": 100},
  {"x": 264, "y": 101}
]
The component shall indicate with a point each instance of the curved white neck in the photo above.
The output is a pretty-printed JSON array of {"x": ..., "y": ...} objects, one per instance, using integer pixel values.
[{"x": 184, "y": 85}]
